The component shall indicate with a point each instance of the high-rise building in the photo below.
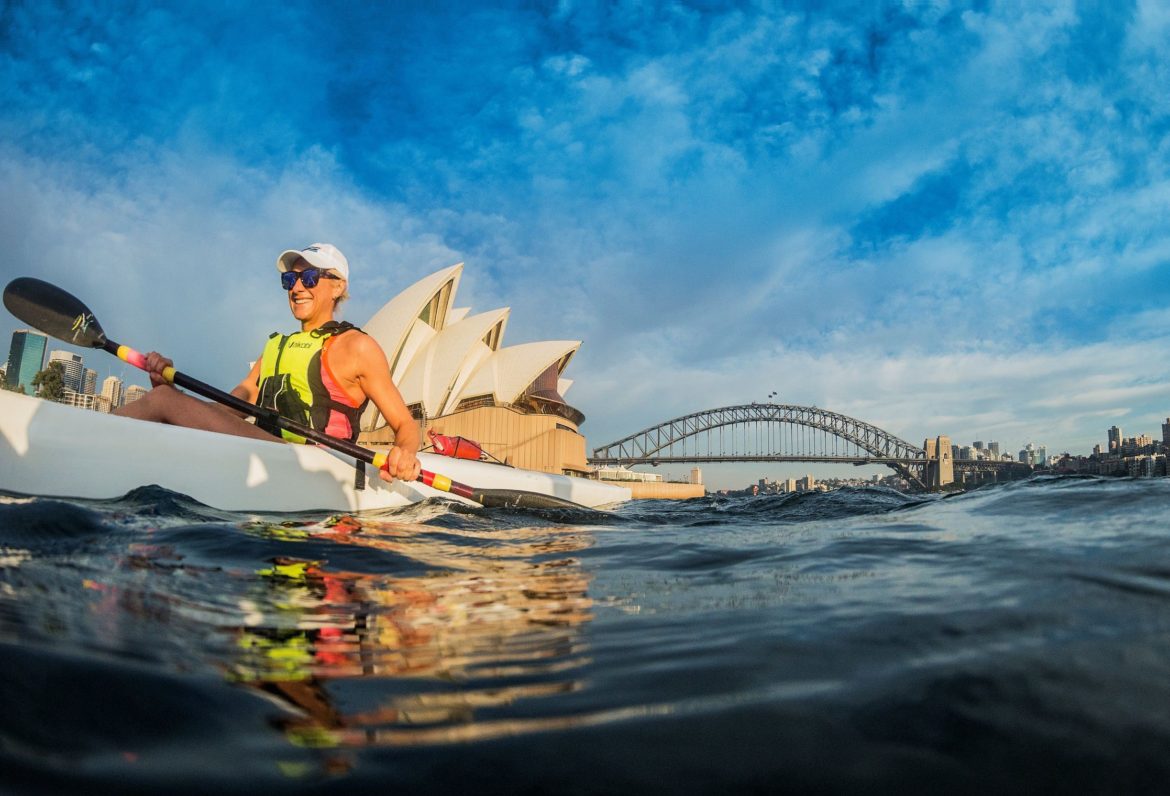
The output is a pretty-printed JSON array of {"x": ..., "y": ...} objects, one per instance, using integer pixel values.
[
  {"x": 1115, "y": 439},
  {"x": 89, "y": 382},
  {"x": 134, "y": 392},
  {"x": 977, "y": 445},
  {"x": 26, "y": 357},
  {"x": 1166, "y": 433},
  {"x": 993, "y": 448},
  {"x": 112, "y": 392},
  {"x": 72, "y": 368}
]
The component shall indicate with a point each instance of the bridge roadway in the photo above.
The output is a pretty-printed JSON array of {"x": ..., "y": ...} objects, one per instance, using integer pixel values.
[
  {"x": 859, "y": 461},
  {"x": 777, "y": 430}
]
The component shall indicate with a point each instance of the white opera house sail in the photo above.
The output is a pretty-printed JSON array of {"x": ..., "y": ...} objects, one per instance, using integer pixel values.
[{"x": 458, "y": 379}]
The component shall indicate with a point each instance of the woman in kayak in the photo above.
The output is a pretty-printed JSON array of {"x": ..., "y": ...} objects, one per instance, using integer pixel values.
[{"x": 322, "y": 376}]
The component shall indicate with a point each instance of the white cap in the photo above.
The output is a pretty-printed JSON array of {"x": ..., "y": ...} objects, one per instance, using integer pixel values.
[{"x": 322, "y": 255}]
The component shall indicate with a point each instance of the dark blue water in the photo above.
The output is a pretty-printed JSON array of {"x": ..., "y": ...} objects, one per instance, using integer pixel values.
[{"x": 1006, "y": 639}]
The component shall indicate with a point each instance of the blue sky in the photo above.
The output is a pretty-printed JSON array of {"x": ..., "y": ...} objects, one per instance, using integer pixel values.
[{"x": 938, "y": 217}]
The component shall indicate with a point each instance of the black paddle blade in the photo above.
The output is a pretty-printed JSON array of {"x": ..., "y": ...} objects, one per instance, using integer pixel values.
[
  {"x": 516, "y": 499},
  {"x": 51, "y": 310}
]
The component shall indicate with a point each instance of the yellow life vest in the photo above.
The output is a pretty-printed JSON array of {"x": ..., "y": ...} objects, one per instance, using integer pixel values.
[{"x": 296, "y": 381}]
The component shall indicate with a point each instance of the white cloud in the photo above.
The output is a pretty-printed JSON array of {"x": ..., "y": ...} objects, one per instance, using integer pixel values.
[{"x": 179, "y": 255}]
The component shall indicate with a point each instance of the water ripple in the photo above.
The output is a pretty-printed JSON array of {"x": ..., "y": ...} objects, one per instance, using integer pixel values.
[{"x": 859, "y": 638}]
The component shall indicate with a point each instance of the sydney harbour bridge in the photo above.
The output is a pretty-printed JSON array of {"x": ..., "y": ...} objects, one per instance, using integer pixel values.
[{"x": 767, "y": 432}]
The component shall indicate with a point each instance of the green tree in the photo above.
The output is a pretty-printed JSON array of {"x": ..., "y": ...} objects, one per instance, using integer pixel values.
[{"x": 50, "y": 382}]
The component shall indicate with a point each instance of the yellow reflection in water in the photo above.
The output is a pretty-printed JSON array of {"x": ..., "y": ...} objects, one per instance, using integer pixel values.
[{"x": 491, "y": 623}]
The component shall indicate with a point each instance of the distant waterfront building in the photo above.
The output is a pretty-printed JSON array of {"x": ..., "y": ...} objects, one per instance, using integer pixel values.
[
  {"x": 1166, "y": 434},
  {"x": 133, "y": 393},
  {"x": 1115, "y": 438},
  {"x": 806, "y": 484},
  {"x": 72, "y": 368},
  {"x": 696, "y": 476},
  {"x": 617, "y": 473},
  {"x": 789, "y": 485},
  {"x": 26, "y": 357},
  {"x": 82, "y": 400},
  {"x": 993, "y": 449},
  {"x": 112, "y": 392},
  {"x": 1097, "y": 451},
  {"x": 1033, "y": 454},
  {"x": 89, "y": 382},
  {"x": 977, "y": 444},
  {"x": 1145, "y": 466}
]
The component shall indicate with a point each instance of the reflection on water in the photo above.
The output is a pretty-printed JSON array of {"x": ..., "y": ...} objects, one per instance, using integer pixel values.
[
  {"x": 1009, "y": 637},
  {"x": 424, "y": 659}
]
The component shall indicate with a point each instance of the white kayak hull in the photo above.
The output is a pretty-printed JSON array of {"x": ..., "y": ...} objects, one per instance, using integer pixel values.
[{"x": 61, "y": 451}]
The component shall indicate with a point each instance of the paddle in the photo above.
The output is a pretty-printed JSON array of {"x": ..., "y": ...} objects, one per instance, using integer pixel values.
[{"x": 53, "y": 311}]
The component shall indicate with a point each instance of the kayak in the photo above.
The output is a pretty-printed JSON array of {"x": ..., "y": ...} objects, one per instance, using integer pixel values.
[{"x": 49, "y": 449}]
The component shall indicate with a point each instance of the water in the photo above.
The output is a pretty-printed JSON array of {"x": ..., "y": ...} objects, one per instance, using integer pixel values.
[{"x": 1008, "y": 638}]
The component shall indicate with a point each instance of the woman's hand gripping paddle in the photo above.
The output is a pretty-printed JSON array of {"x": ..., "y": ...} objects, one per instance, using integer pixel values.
[{"x": 55, "y": 312}]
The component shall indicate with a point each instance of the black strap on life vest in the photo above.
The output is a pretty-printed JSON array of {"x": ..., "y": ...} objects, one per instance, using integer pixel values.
[{"x": 332, "y": 327}]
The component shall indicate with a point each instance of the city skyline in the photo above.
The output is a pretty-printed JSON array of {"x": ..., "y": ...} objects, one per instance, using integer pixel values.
[
  {"x": 80, "y": 391},
  {"x": 835, "y": 203},
  {"x": 116, "y": 391},
  {"x": 77, "y": 377}
]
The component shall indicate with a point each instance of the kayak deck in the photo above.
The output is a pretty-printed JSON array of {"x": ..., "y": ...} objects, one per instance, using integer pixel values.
[{"x": 61, "y": 451}]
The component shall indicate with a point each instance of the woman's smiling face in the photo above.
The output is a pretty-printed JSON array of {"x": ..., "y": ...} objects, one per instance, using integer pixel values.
[{"x": 313, "y": 306}]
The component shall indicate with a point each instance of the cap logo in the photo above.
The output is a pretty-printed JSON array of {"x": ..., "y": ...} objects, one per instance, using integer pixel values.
[{"x": 311, "y": 249}]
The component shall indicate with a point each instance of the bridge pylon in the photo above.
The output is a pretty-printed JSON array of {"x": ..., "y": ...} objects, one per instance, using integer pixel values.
[{"x": 940, "y": 464}]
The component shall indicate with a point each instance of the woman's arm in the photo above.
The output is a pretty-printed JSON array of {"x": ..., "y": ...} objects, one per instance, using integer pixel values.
[{"x": 372, "y": 375}]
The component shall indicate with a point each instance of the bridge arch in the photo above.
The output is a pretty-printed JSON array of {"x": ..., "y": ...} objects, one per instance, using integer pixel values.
[{"x": 855, "y": 441}]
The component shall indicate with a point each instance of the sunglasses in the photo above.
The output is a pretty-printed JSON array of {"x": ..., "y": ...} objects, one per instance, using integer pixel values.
[{"x": 309, "y": 278}]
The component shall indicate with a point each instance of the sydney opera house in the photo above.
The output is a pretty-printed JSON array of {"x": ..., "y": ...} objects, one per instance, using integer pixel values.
[{"x": 459, "y": 379}]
